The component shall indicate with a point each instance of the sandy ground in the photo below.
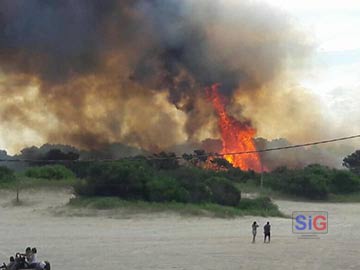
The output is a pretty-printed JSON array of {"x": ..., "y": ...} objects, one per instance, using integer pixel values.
[{"x": 170, "y": 241}]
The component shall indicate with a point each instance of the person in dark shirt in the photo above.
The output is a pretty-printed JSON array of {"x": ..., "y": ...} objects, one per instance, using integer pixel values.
[{"x": 267, "y": 228}]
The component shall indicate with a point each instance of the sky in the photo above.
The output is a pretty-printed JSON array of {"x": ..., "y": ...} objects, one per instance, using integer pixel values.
[{"x": 333, "y": 73}]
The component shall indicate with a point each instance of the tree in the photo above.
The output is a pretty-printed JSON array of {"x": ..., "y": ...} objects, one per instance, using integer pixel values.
[
  {"x": 344, "y": 182},
  {"x": 201, "y": 155},
  {"x": 165, "y": 161},
  {"x": 352, "y": 162},
  {"x": 222, "y": 163},
  {"x": 223, "y": 191},
  {"x": 124, "y": 179},
  {"x": 57, "y": 154},
  {"x": 197, "y": 159}
]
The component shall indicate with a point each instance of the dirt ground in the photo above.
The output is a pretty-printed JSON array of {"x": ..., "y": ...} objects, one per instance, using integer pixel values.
[{"x": 168, "y": 241}]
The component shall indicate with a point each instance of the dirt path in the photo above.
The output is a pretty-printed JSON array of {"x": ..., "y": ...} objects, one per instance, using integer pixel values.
[{"x": 173, "y": 242}]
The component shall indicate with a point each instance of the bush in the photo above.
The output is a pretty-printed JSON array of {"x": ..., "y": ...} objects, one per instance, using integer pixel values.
[
  {"x": 80, "y": 169},
  {"x": 125, "y": 179},
  {"x": 239, "y": 176},
  {"x": 194, "y": 181},
  {"x": 139, "y": 180},
  {"x": 6, "y": 174},
  {"x": 352, "y": 162},
  {"x": 223, "y": 191},
  {"x": 264, "y": 203},
  {"x": 164, "y": 189},
  {"x": 311, "y": 182},
  {"x": 344, "y": 182},
  {"x": 50, "y": 172}
]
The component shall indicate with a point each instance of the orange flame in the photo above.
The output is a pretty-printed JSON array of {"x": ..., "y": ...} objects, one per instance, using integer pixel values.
[{"x": 236, "y": 136}]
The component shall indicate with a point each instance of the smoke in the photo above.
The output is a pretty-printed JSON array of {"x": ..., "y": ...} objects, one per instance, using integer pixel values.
[
  {"x": 92, "y": 73},
  {"x": 298, "y": 158}
]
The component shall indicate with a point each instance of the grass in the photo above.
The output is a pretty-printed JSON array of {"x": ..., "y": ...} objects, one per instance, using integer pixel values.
[
  {"x": 345, "y": 198},
  {"x": 251, "y": 187},
  {"x": 247, "y": 207}
]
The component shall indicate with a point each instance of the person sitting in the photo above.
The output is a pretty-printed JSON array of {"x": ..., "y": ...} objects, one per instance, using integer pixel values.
[
  {"x": 27, "y": 255},
  {"x": 33, "y": 261},
  {"x": 11, "y": 265},
  {"x": 17, "y": 262}
]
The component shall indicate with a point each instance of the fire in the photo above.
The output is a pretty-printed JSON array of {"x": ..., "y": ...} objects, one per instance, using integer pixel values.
[{"x": 236, "y": 136}]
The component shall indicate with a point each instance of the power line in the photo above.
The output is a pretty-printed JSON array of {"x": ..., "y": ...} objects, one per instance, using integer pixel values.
[
  {"x": 294, "y": 146},
  {"x": 203, "y": 155}
]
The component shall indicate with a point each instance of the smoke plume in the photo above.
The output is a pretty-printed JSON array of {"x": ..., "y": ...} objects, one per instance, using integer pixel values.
[{"x": 92, "y": 73}]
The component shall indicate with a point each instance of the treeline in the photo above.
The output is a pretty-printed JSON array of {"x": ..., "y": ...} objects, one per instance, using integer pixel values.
[
  {"x": 142, "y": 180},
  {"x": 194, "y": 179},
  {"x": 313, "y": 181}
]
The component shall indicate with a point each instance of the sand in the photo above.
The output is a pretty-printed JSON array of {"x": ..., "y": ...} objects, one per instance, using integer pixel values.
[{"x": 169, "y": 241}]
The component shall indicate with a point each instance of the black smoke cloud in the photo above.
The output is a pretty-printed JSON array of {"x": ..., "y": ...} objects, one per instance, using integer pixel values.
[
  {"x": 60, "y": 39},
  {"x": 53, "y": 39},
  {"x": 92, "y": 73}
]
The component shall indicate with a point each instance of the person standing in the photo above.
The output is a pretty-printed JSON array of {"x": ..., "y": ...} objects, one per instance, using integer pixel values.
[
  {"x": 254, "y": 230},
  {"x": 267, "y": 228}
]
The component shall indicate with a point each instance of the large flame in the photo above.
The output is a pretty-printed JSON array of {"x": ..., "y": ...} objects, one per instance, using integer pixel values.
[{"x": 236, "y": 136}]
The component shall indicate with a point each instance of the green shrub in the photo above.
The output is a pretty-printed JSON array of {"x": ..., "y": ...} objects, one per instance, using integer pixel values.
[
  {"x": 199, "y": 192},
  {"x": 223, "y": 191},
  {"x": 239, "y": 176},
  {"x": 6, "y": 174},
  {"x": 194, "y": 180},
  {"x": 138, "y": 180},
  {"x": 264, "y": 203},
  {"x": 125, "y": 179},
  {"x": 262, "y": 206},
  {"x": 51, "y": 172},
  {"x": 344, "y": 182},
  {"x": 314, "y": 186},
  {"x": 311, "y": 182},
  {"x": 164, "y": 189}
]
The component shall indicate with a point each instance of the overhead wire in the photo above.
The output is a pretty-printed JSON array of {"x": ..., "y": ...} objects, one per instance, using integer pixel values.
[{"x": 158, "y": 157}]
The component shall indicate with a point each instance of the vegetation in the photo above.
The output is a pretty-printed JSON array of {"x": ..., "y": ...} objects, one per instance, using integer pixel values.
[
  {"x": 260, "y": 207},
  {"x": 50, "y": 172},
  {"x": 313, "y": 182},
  {"x": 352, "y": 162},
  {"x": 6, "y": 175},
  {"x": 163, "y": 183},
  {"x": 140, "y": 181},
  {"x": 223, "y": 191}
]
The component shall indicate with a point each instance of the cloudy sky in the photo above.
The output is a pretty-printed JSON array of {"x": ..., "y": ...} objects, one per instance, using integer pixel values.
[{"x": 334, "y": 69}]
